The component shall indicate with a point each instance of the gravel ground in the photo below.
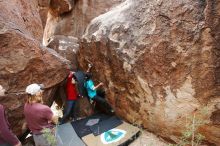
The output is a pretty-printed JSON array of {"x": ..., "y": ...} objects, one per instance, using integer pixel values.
[{"x": 148, "y": 139}]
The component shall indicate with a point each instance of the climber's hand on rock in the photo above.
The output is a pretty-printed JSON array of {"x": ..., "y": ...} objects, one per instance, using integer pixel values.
[{"x": 90, "y": 65}]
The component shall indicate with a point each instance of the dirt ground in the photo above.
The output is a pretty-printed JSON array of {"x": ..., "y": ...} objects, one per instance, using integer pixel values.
[{"x": 148, "y": 139}]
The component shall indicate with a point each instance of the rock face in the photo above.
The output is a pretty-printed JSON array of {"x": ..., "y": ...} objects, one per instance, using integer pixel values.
[
  {"x": 61, "y": 6},
  {"x": 76, "y": 17},
  {"x": 66, "y": 46},
  {"x": 57, "y": 7},
  {"x": 23, "y": 59},
  {"x": 43, "y": 6},
  {"x": 159, "y": 61}
]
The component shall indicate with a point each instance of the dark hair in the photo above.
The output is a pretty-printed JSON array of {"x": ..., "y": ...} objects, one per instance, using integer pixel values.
[
  {"x": 88, "y": 76},
  {"x": 74, "y": 77}
]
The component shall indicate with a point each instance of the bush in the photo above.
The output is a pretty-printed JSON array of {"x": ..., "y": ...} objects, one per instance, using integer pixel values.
[
  {"x": 49, "y": 136},
  {"x": 191, "y": 136}
]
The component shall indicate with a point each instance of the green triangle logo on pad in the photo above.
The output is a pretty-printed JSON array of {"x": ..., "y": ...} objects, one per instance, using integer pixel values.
[{"x": 112, "y": 136}]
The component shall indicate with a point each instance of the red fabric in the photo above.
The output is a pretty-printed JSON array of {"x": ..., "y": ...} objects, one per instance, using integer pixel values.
[
  {"x": 6, "y": 135},
  {"x": 37, "y": 116},
  {"x": 71, "y": 89}
]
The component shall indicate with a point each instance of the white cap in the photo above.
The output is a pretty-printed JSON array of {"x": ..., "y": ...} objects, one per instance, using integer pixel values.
[{"x": 33, "y": 89}]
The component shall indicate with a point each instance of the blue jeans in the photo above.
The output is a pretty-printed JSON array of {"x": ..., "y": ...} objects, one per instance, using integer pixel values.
[{"x": 69, "y": 110}]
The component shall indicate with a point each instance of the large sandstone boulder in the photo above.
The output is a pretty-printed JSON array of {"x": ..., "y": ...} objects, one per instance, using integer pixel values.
[
  {"x": 21, "y": 16},
  {"x": 43, "y": 7},
  {"x": 76, "y": 17},
  {"x": 61, "y": 6},
  {"x": 23, "y": 59},
  {"x": 57, "y": 7},
  {"x": 66, "y": 46},
  {"x": 159, "y": 61}
]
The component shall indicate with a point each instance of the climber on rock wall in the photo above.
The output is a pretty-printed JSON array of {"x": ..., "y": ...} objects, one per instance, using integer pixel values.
[
  {"x": 80, "y": 76},
  {"x": 95, "y": 94}
]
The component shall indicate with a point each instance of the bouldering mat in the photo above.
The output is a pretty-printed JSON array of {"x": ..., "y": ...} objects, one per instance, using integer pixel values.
[
  {"x": 80, "y": 126},
  {"x": 121, "y": 135},
  {"x": 105, "y": 125},
  {"x": 68, "y": 135}
]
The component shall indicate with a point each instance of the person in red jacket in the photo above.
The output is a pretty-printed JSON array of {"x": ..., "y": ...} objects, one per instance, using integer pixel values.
[
  {"x": 7, "y": 138},
  {"x": 71, "y": 98}
]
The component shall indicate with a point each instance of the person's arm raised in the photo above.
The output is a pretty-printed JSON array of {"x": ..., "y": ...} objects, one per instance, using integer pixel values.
[
  {"x": 89, "y": 68},
  {"x": 97, "y": 86}
]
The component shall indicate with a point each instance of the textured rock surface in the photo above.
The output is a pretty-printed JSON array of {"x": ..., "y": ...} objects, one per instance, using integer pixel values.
[
  {"x": 56, "y": 7},
  {"x": 66, "y": 46},
  {"x": 18, "y": 15},
  {"x": 61, "y": 6},
  {"x": 73, "y": 23},
  {"x": 23, "y": 59},
  {"x": 159, "y": 61},
  {"x": 43, "y": 7}
]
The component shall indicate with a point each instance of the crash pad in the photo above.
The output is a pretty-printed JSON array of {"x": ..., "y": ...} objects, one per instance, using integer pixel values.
[
  {"x": 81, "y": 126},
  {"x": 121, "y": 135},
  {"x": 68, "y": 135},
  {"x": 105, "y": 125}
]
